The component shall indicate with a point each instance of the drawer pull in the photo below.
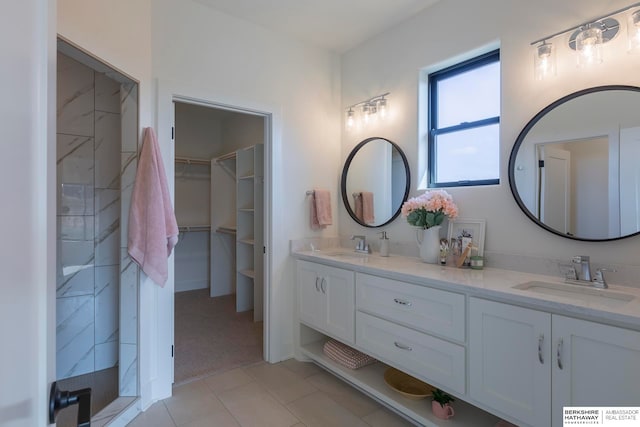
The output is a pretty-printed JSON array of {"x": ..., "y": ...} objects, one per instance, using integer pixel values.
[
  {"x": 317, "y": 290},
  {"x": 540, "y": 341},
  {"x": 402, "y": 346},
  {"x": 402, "y": 302}
]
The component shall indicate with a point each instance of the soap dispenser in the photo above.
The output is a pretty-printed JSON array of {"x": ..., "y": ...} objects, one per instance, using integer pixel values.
[{"x": 384, "y": 244}]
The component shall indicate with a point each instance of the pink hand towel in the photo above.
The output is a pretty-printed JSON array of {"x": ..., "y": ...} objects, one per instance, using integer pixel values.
[
  {"x": 320, "y": 209},
  {"x": 357, "y": 201},
  {"x": 153, "y": 230},
  {"x": 367, "y": 207}
]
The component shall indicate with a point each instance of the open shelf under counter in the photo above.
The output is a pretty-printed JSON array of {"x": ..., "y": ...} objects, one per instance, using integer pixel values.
[{"x": 370, "y": 380}]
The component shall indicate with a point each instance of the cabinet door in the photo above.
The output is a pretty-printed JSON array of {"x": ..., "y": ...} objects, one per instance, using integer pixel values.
[
  {"x": 310, "y": 298},
  {"x": 326, "y": 298},
  {"x": 338, "y": 288},
  {"x": 510, "y": 360},
  {"x": 593, "y": 365}
]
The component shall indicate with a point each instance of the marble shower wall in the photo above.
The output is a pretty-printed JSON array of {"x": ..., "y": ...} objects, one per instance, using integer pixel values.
[
  {"x": 91, "y": 175},
  {"x": 129, "y": 271}
]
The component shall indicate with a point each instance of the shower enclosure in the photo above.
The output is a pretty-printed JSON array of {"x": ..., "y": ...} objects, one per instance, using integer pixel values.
[{"x": 97, "y": 283}]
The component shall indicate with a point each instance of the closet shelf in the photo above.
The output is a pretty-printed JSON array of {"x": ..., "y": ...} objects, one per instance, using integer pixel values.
[
  {"x": 228, "y": 156},
  {"x": 248, "y": 177},
  {"x": 190, "y": 228},
  {"x": 248, "y": 273},
  {"x": 228, "y": 163},
  {"x": 192, "y": 161},
  {"x": 231, "y": 229},
  {"x": 249, "y": 210},
  {"x": 247, "y": 241}
]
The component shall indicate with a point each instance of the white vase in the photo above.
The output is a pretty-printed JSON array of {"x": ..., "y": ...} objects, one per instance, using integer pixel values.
[{"x": 429, "y": 243}]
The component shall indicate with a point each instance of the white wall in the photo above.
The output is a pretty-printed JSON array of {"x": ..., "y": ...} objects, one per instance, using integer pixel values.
[
  {"x": 27, "y": 169},
  {"x": 205, "y": 54},
  {"x": 452, "y": 30}
]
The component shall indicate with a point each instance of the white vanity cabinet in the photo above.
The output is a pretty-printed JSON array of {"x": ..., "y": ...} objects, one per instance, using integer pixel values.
[
  {"x": 529, "y": 364},
  {"x": 326, "y": 299}
]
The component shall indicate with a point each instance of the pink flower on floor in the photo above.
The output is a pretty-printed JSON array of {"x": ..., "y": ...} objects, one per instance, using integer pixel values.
[{"x": 429, "y": 209}]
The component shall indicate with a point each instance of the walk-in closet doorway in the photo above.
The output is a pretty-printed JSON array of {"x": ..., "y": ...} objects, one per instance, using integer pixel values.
[{"x": 219, "y": 177}]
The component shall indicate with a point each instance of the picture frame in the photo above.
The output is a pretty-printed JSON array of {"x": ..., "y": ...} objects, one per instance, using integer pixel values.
[{"x": 461, "y": 229}]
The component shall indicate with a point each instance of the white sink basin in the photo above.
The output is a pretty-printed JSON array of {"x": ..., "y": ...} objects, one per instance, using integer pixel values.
[
  {"x": 346, "y": 255},
  {"x": 578, "y": 293},
  {"x": 352, "y": 255}
]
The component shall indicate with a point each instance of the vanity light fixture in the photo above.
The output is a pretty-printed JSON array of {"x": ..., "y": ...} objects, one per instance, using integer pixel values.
[
  {"x": 587, "y": 39},
  {"x": 351, "y": 121},
  {"x": 544, "y": 60},
  {"x": 588, "y": 43},
  {"x": 366, "y": 113},
  {"x": 370, "y": 109},
  {"x": 382, "y": 104},
  {"x": 633, "y": 31}
]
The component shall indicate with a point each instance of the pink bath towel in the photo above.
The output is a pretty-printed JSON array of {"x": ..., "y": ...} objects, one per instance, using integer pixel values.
[
  {"x": 153, "y": 230},
  {"x": 320, "y": 208},
  {"x": 367, "y": 207}
]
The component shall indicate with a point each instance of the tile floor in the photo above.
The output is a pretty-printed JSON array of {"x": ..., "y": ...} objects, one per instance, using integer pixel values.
[{"x": 289, "y": 393}]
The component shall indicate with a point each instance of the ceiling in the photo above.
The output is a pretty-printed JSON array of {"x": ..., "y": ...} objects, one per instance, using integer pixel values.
[{"x": 337, "y": 25}]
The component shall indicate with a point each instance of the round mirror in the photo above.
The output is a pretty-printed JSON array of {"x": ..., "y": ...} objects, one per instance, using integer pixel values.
[
  {"x": 574, "y": 167},
  {"x": 375, "y": 182}
]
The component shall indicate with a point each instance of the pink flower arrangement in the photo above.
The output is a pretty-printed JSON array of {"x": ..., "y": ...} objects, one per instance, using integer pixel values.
[{"x": 429, "y": 209}]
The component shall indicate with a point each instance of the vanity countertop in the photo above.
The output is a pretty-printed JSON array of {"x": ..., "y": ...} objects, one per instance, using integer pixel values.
[{"x": 491, "y": 283}]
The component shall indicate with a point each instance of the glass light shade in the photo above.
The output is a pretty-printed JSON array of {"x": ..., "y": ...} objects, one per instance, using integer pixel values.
[
  {"x": 544, "y": 61},
  {"x": 351, "y": 121},
  {"x": 383, "y": 108},
  {"x": 589, "y": 46},
  {"x": 633, "y": 31},
  {"x": 366, "y": 113}
]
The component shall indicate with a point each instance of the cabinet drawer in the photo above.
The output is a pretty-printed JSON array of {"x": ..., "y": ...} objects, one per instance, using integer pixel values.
[
  {"x": 418, "y": 307},
  {"x": 418, "y": 354}
]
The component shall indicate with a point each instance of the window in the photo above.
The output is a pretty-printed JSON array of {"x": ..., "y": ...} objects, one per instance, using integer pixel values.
[{"x": 464, "y": 123}]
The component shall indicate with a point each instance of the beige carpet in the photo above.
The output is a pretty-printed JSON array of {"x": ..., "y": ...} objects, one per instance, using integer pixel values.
[{"x": 210, "y": 337}]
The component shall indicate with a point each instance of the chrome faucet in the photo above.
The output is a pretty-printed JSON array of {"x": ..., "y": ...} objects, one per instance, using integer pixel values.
[
  {"x": 362, "y": 246},
  {"x": 584, "y": 273},
  {"x": 599, "y": 281}
]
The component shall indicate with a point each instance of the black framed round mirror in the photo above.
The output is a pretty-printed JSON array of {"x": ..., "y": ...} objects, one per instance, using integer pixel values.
[
  {"x": 573, "y": 169},
  {"x": 375, "y": 182}
]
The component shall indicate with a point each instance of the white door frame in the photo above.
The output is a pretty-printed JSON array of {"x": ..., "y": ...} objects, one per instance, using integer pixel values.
[{"x": 168, "y": 93}]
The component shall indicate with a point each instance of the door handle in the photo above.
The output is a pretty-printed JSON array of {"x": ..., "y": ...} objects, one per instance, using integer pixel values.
[
  {"x": 317, "y": 290},
  {"x": 559, "y": 354},
  {"x": 60, "y": 399},
  {"x": 323, "y": 285},
  {"x": 540, "y": 341}
]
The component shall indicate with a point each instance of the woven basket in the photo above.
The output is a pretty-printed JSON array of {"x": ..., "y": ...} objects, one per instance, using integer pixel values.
[{"x": 346, "y": 356}]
